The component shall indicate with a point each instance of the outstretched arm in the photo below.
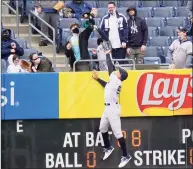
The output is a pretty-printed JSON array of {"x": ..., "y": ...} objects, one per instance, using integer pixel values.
[
  {"x": 110, "y": 65},
  {"x": 95, "y": 76}
]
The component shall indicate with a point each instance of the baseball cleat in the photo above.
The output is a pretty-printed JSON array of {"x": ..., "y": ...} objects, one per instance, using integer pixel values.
[
  {"x": 108, "y": 152},
  {"x": 124, "y": 161}
]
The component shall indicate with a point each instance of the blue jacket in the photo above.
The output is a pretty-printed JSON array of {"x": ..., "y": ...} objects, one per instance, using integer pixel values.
[
  {"x": 79, "y": 9},
  {"x": 123, "y": 26},
  {"x": 6, "y": 49}
]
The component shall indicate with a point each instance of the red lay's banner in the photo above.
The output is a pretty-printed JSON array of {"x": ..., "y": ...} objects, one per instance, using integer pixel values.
[
  {"x": 161, "y": 94},
  {"x": 162, "y": 90}
]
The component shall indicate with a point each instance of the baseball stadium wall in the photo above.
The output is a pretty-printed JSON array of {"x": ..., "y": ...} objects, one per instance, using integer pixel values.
[{"x": 77, "y": 95}]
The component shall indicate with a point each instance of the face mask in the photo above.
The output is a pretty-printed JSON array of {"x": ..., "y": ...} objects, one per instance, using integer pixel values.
[
  {"x": 75, "y": 30},
  {"x": 6, "y": 37},
  {"x": 181, "y": 37}
]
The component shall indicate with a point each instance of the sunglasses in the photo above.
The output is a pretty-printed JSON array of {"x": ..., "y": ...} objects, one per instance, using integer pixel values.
[{"x": 35, "y": 58}]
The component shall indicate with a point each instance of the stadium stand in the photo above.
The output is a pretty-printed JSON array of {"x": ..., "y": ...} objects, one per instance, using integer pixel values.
[{"x": 162, "y": 18}]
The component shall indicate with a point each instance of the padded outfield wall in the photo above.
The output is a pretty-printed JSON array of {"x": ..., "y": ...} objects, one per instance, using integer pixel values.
[{"x": 51, "y": 120}]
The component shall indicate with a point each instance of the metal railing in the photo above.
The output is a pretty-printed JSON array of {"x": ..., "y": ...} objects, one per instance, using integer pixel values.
[
  {"x": 16, "y": 12},
  {"x": 97, "y": 60},
  {"x": 41, "y": 33}
]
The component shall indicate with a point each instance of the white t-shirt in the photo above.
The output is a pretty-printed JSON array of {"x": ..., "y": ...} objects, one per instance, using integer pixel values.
[
  {"x": 114, "y": 32},
  {"x": 14, "y": 69},
  {"x": 112, "y": 89},
  {"x": 180, "y": 52}
]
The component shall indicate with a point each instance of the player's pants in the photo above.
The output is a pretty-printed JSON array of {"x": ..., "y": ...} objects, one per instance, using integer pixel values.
[{"x": 111, "y": 117}]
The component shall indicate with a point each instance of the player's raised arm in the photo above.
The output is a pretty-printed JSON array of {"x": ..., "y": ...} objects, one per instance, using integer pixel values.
[
  {"x": 110, "y": 65},
  {"x": 96, "y": 77}
]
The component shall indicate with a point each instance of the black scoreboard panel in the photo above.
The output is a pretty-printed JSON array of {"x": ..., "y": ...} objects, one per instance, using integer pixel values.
[{"x": 158, "y": 142}]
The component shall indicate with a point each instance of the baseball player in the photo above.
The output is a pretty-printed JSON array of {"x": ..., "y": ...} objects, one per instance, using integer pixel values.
[{"x": 111, "y": 114}]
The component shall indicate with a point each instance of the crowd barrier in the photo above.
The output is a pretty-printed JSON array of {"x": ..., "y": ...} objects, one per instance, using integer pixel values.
[{"x": 72, "y": 95}]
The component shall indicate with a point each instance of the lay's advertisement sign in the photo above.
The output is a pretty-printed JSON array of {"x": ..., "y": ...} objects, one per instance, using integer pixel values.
[{"x": 144, "y": 93}]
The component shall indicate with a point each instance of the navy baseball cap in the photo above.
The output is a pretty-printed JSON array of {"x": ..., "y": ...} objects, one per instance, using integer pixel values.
[{"x": 123, "y": 73}]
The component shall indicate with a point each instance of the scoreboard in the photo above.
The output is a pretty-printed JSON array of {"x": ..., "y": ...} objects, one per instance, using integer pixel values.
[{"x": 153, "y": 142}]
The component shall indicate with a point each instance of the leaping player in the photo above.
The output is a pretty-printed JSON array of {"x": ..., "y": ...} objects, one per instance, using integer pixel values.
[{"x": 111, "y": 114}]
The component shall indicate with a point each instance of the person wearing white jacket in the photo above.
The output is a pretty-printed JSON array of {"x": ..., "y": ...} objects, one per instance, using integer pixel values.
[{"x": 14, "y": 65}]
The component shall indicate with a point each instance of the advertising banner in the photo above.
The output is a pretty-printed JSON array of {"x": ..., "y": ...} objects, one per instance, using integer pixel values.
[
  {"x": 29, "y": 96},
  {"x": 144, "y": 93},
  {"x": 153, "y": 142}
]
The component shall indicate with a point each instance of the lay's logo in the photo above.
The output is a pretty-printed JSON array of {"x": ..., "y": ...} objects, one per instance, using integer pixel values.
[{"x": 159, "y": 93}]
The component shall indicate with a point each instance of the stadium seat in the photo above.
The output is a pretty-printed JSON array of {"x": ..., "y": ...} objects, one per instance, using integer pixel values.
[
  {"x": 167, "y": 60},
  {"x": 102, "y": 12},
  {"x": 122, "y": 10},
  {"x": 151, "y": 60},
  {"x": 174, "y": 38},
  {"x": 150, "y": 4},
  {"x": 102, "y": 3},
  {"x": 127, "y": 3},
  {"x": 184, "y": 2},
  {"x": 97, "y": 21},
  {"x": 66, "y": 22},
  {"x": 145, "y": 12},
  {"x": 164, "y": 12},
  {"x": 28, "y": 52},
  {"x": 92, "y": 3},
  {"x": 159, "y": 41},
  {"x": 177, "y": 21},
  {"x": 173, "y": 3},
  {"x": 22, "y": 43},
  {"x": 181, "y": 11},
  {"x": 151, "y": 51},
  {"x": 155, "y": 21},
  {"x": 165, "y": 50},
  {"x": 167, "y": 31},
  {"x": 153, "y": 31},
  {"x": 92, "y": 43}
]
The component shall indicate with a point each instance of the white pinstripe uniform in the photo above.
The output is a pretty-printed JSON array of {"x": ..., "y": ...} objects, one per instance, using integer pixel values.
[{"x": 111, "y": 114}]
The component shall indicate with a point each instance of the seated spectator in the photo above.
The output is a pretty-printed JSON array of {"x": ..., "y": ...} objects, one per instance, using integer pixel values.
[
  {"x": 180, "y": 51},
  {"x": 9, "y": 47},
  {"x": 137, "y": 36},
  {"x": 15, "y": 65},
  {"x": 38, "y": 64},
  {"x": 79, "y": 8}
]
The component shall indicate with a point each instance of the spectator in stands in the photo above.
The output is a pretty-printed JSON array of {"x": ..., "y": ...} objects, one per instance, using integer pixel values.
[
  {"x": 8, "y": 47},
  {"x": 115, "y": 26},
  {"x": 180, "y": 51},
  {"x": 137, "y": 36},
  {"x": 38, "y": 64},
  {"x": 79, "y": 8},
  {"x": 50, "y": 15},
  {"x": 104, "y": 48},
  {"x": 189, "y": 9},
  {"x": 15, "y": 65},
  {"x": 78, "y": 43}
]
